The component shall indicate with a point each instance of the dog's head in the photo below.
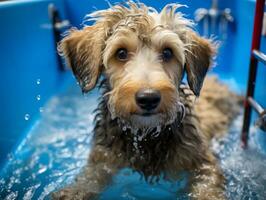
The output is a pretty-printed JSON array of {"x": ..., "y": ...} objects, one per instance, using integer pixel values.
[{"x": 143, "y": 54}]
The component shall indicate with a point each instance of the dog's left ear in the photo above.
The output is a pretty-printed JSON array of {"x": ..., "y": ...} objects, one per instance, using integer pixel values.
[
  {"x": 199, "y": 57},
  {"x": 82, "y": 50}
]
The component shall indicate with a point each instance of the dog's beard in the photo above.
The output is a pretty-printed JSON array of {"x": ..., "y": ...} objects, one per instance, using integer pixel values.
[
  {"x": 176, "y": 113},
  {"x": 152, "y": 123}
]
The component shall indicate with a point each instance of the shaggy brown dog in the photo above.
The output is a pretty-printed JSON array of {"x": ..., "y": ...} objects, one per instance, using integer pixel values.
[{"x": 146, "y": 119}]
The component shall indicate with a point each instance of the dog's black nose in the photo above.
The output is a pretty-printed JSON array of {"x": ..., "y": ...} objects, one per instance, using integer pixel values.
[{"x": 148, "y": 99}]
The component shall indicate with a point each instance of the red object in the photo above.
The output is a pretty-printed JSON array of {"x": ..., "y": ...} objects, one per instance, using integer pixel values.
[
  {"x": 258, "y": 21},
  {"x": 256, "y": 37}
]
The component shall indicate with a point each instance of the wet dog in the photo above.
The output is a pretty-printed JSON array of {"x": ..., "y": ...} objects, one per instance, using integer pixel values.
[{"x": 148, "y": 119}]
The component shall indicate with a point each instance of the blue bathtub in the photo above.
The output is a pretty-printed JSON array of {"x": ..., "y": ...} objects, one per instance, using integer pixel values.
[{"x": 30, "y": 74}]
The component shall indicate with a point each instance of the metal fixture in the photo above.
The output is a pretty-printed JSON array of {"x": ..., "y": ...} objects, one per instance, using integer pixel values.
[
  {"x": 261, "y": 121},
  {"x": 59, "y": 26},
  {"x": 213, "y": 16}
]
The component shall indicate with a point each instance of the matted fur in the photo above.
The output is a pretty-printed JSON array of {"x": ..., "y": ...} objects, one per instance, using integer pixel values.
[
  {"x": 216, "y": 107},
  {"x": 166, "y": 142},
  {"x": 182, "y": 147}
]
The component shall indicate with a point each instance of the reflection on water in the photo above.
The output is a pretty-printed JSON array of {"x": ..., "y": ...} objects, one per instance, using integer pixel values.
[{"x": 58, "y": 145}]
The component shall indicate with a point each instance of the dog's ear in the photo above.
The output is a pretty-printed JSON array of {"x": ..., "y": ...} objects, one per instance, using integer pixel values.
[
  {"x": 199, "y": 57},
  {"x": 82, "y": 50}
]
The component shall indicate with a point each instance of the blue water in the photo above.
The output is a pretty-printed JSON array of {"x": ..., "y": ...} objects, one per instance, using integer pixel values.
[{"x": 58, "y": 145}]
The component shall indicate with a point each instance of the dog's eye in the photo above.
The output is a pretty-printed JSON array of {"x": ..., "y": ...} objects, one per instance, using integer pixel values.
[
  {"x": 121, "y": 54},
  {"x": 167, "y": 54}
]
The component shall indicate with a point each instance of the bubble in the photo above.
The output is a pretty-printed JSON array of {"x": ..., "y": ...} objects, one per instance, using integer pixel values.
[
  {"x": 38, "y": 97},
  {"x": 124, "y": 128},
  {"x": 27, "y": 117},
  {"x": 41, "y": 109},
  {"x": 38, "y": 81}
]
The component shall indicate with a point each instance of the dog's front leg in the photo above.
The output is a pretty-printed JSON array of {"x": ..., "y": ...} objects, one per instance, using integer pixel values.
[
  {"x": 94, "y": 177},
  {"x": 207, "y": 182}
]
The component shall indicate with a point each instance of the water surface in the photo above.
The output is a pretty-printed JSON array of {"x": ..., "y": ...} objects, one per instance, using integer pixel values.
[{"x": 58, "y": 145}]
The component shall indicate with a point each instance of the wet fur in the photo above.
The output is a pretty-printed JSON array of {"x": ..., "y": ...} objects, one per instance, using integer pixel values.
[
  {"x": 184, "y": 147},
  {"x": 180, "y": 145},
  {"x": 155, "y": 152}
]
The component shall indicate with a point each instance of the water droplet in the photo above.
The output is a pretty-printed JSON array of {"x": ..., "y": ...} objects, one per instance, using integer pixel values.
[
  {"x": 134, "y": 131},
  {"x": 38, "y": 81},
  {"x": 42, "y": 169},
  {"x": 135, "y": 144},
  {"x": 38, "y": 97},
  {"x": 41, "y": 109},
  {"x": 156, "y": 134},
  {"x": 27, "y": 117}
]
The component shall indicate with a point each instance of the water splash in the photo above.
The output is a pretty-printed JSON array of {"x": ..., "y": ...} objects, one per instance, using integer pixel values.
[
  {"x": 53, "y": 152},
  {"x": 244, "y": 168},
  {"x": 58, "y": 146}
]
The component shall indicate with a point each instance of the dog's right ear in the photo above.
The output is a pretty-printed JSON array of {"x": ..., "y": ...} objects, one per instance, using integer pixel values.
[{"x": 82, "y": 50}]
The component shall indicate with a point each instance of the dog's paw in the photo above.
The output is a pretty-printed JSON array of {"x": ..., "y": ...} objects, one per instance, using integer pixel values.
[{"x": 73, "y": 194}]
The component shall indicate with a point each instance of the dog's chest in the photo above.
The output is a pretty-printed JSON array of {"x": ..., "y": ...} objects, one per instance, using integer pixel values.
[{"x": 151, "y": 154}]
